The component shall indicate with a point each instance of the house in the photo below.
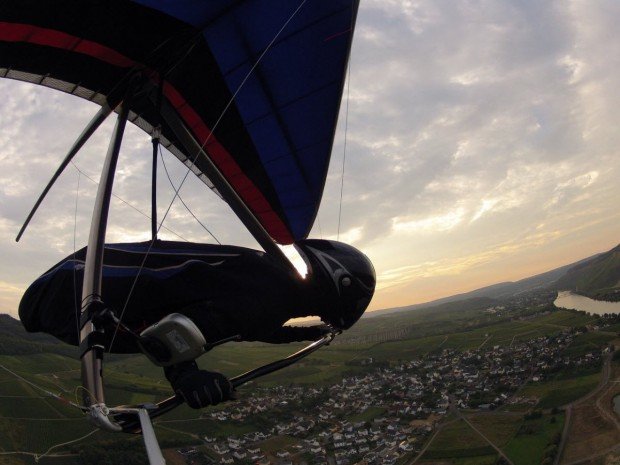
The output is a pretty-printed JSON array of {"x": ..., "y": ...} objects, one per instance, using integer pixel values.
[
  {"x": 239, "y": 454},
  {"x": 221, "y": 449}
]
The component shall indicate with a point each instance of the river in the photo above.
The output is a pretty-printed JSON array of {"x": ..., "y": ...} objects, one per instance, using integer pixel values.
[{"x": 567, "y": 299}]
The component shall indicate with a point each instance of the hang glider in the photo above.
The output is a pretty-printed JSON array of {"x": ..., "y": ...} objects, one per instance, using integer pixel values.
[{"x": 245, "y": 93}]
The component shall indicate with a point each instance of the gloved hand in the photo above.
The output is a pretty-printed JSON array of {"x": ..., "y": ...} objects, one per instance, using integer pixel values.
[{"x": 199, "y": 388}]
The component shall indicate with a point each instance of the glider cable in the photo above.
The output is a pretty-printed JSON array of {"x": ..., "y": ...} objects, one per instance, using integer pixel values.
[
  {"x": 155, "y": 142},
  {"x": 88, "y": 131},
  {"x": 344, "y": 151},
  {"x": 42, "y": 389},
  {"x": 126, "y": 202},
  {"x": 163, "y": 164},
  {"x": 75, "y": 285}
]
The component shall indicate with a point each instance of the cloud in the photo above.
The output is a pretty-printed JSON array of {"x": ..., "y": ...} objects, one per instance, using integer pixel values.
[
  {"x": 433, "y": 224},
  {"x": 9, "y": 294},
  {"x": 572, "y": 188},
  {"x": 458, "y": 265}
]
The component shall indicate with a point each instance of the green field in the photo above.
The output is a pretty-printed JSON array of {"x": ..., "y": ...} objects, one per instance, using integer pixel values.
[
  {"x": 37, "y": 435},
  {"x": 529, "y": 445},
  {"x": 40, "y": 363},
  {"x": 557, "y": 393},
  {"x": 615, "y": 328},
  {"x": 13, "y": 387},
  {"x": 133, "y": 379},
  {"x": 588, "y": 342},
  {"x": 523, "y": 441},
  {"x": 457, "y": 439},
  {"x": 201, "y": 428},
  {"x": 567, "y": 318},
  {"x": 19, "y": 459},
  {"x": 478, "y": 460},
  {"x": 500, "y": 428}
]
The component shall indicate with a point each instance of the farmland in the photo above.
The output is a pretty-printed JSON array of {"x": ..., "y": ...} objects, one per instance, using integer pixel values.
[{"x": 38, "y": 422}]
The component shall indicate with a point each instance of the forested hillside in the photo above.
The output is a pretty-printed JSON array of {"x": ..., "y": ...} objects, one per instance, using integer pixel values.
[{"x": 598, "y": 278}]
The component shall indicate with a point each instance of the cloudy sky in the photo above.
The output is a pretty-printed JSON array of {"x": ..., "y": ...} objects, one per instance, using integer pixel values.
[{"x": 482, "y": 146}]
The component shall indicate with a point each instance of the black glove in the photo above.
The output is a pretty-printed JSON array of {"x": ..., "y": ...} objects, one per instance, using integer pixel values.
[{"x": 199, "y": 388}]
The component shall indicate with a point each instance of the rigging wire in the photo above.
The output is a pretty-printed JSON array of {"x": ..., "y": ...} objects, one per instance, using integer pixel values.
[
  {"x": 161, "y": 155},
  {"x": 42, "y": 389},
  {"x": 195, "y": 158},
  {"x": 38, "y": 457},
  {"x": 127, "y": 203},
  {"x": 344, "y": 150},
  {"x": 59, "y": 398},
  {"x": 75, "y": 297}
]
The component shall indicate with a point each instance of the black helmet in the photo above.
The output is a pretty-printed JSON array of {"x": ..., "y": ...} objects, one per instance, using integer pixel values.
[{"x": 344, "y": 276}]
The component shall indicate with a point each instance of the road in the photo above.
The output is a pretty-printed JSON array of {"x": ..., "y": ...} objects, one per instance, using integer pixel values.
[
  {"x": 48, "y": 452},
  {"x": 428, "y": 443},
  {"x": 567, "y": 417},
  {"x": 484, "y": 342},
  {"x": 604, "y": 384},
  {"x": 482, "y": 435},
  {"x": 459, "y": 416}
]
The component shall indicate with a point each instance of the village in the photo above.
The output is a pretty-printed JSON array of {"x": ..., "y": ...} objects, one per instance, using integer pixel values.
[{"x": 389, "y": 411}]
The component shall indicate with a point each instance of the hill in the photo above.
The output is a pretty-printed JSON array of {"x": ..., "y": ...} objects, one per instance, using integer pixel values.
[
  {"x": 14, "y": 340},
  {"x": 32, "y": 419},
  {"x": 597, "y": 278}
]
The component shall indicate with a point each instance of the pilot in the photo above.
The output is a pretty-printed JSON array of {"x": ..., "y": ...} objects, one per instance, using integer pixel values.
[
  {"x": 338, "y": 288},
  {"x": 228, "y": 292}
]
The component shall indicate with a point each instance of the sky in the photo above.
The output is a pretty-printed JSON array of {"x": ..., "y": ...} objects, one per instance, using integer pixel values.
[{"x": 481, "y": 146}]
